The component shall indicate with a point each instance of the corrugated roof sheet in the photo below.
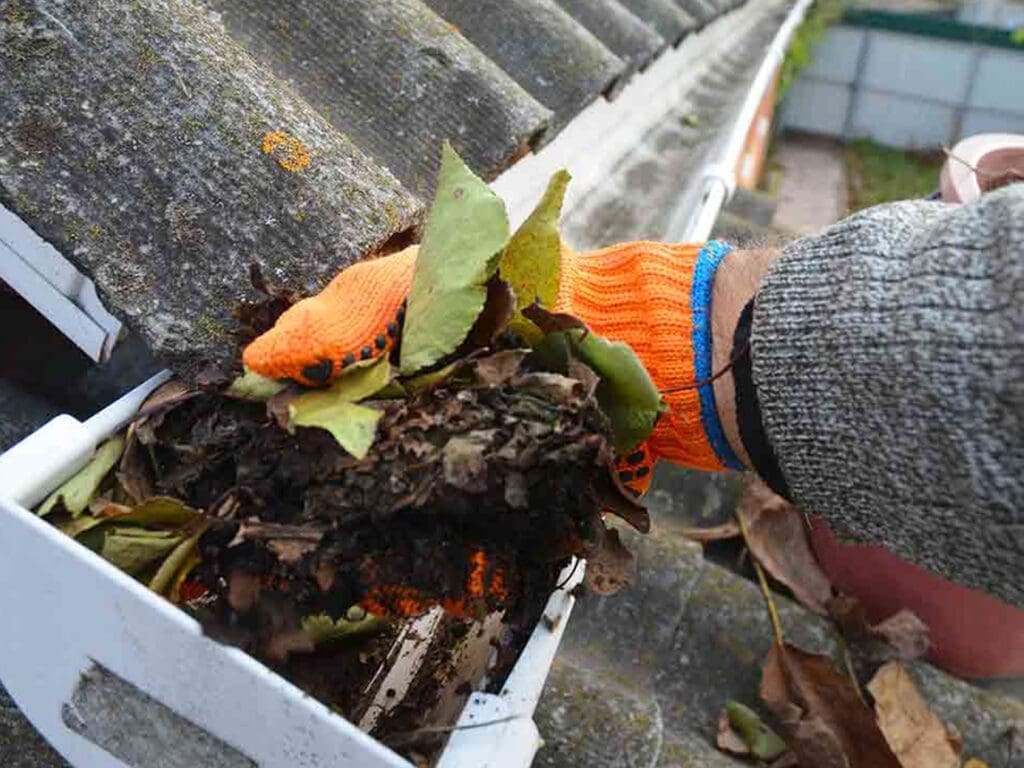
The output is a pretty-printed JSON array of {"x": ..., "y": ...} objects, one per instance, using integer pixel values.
[
  {"x": 624, "y": 34},
  {"x": 554, "y": 58},
  {"x": 142, "y": 142},
  {"x": 669, "y": 19},
  {"x": 163, "y": 145},
  {"x": 394, "y": 77}
]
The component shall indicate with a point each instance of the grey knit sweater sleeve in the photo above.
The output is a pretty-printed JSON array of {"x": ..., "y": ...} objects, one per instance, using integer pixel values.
[{"x": 888, "y": 359}]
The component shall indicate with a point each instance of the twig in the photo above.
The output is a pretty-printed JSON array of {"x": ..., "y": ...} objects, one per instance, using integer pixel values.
[
  {"x": 409, "y": 736},
  {"x": 844, "y": 651},
  {"x": 773, "y": 613},
  {"x": 713, "y": 377}
]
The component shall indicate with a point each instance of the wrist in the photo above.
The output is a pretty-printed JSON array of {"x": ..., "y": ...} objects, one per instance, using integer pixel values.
[{"x": 736, "y": 282}]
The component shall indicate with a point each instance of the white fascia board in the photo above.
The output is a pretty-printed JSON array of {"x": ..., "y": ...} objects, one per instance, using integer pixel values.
[{"x": 51, "y": 284}]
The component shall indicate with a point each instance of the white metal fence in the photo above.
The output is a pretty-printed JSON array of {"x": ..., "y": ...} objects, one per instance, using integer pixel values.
[{"x": 907, "y": 90}]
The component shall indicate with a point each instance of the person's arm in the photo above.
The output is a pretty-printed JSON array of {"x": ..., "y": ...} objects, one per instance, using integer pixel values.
[{"x": 887, "y": 364}]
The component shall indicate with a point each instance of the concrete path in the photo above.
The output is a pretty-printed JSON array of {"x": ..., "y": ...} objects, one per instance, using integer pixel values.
[{"x": 813, "y": 190}]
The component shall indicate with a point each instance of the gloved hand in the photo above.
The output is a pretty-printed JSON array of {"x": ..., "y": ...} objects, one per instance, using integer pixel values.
[{"x": 654, "y": 297}]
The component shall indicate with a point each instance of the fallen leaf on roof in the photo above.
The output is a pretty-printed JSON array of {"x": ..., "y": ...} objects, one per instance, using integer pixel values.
[
  {"x": 824, "y": 720},
  {"x": 777, "y": 537},
  {"x": 754, "y": 736},
  {"x": 905, "y": 632},
  {"x": 727, "y": 530},
  {"x": 915, "y": 733},
  {"x": 76, "y": 493},
  {"x": 465, "y": 231},
  {"x": 727, "y": 739}
]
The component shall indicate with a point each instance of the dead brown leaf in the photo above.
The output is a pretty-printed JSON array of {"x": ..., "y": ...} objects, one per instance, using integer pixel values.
[
  {"x": 494, "y": 370},
  {"x": 551, "y": 322},
  {"x": 552, "y": 386},
  {"x": 464, "y": 464},
  {"x": 915, "y": 733},
  {"x": 825, "y": 722},
  {"x": 611, "y": 567},
  {"x": 777, "y": 537},
  {"x": 291, "y": 551},
  {"x": 614, "y": 498},
  {"x": 135, "y": 472},
  {"x": 584, "y": 374},
  {"x": 243, "y": 590},
  {"x": 905, "y": 632},
  {"x": 499, "y": 309}
]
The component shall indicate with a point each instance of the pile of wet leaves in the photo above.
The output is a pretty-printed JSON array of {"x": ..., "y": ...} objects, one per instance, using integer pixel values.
[{"x": 456, "y": 475}]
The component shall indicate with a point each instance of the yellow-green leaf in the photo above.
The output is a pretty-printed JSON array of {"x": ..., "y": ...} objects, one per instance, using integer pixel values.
[
  {"x": 761, "y": 740},
  {"x": 77, "y": 492},
  {"x": 353, "y": 426},
  {"x": 465, "y": 231},
  {"x": 134, "y": 549},
  {"x": 335, "y": 409},
  {"x": 159, "y": 510},
  {"x": 251, "y": 386},
  {"x": 323, "y": 629},
  {"x": 181, "y": 556},
  {"x": 531, "y": 262}
]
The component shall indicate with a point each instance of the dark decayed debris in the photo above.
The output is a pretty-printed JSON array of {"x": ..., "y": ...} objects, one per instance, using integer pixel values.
[{"x": 474, "y": 495}]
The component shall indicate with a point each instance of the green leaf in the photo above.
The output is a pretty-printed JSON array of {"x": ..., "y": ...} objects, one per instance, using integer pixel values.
[
  {"x": 531, "y": 262},
  {"x": 625, "y": 393},
  {"x": 465, "y": 231},
  {"x": 134, "y": 549},
  {"x": 323, "y": 629},
  {"x": 251, "y": 386},
  {"x": 761, "y": 740},
  {"x": 334, "y": 409},
  {"x": 77, "y": 492}
]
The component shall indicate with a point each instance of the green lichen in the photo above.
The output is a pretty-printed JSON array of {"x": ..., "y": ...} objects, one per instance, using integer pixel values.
[
  {"x": 190, "y": 127},
  {"x": 148, "y": 58},
  {"x": 212, "y": 328}
]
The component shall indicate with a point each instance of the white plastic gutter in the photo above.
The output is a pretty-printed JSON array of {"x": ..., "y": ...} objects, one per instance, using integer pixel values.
[{"x": 694, "y": 223}]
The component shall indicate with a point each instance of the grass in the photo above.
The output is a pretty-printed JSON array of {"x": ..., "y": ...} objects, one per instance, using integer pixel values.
[{"x": 876, "y": 174}]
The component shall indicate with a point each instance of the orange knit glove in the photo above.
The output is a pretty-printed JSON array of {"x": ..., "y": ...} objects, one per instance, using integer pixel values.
[{"x": 653, "y": 296}]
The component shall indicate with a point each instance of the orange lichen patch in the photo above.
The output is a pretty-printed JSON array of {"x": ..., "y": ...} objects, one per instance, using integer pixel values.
[{"x": 290, "y": 153}]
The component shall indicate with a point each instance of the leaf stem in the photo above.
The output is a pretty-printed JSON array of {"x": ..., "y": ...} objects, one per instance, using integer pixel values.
[{"x": 773, "y": 614}]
